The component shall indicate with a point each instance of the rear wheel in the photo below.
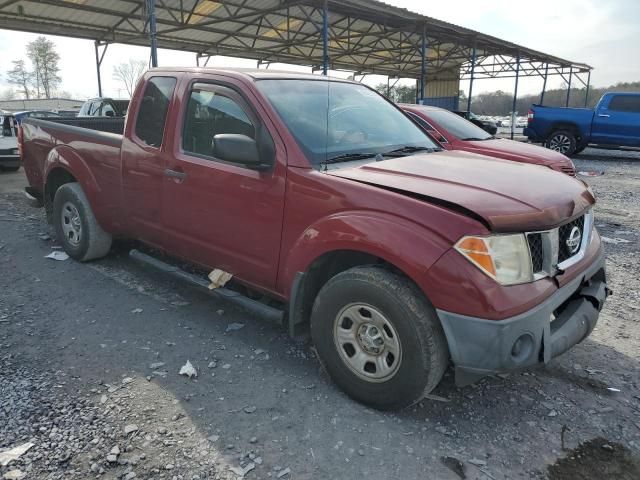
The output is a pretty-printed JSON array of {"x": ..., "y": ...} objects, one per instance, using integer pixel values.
[
  {"x": 76, "y": 226},
  {"x": 562, "y": 141},
  {"x": 378, "y": 337}
]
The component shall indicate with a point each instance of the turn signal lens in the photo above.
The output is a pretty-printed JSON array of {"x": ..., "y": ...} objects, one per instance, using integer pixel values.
[{"x": 505, "y": 258}]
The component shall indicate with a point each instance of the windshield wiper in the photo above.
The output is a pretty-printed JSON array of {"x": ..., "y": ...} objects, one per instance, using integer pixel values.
[
  {"x": 475, "y": 139},
  {"x": 402, "y": 151},
  {"x": 347, "y": 157}
]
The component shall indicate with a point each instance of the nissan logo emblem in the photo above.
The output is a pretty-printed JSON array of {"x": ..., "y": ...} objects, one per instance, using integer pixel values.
[{"x": 574, "y": 240}]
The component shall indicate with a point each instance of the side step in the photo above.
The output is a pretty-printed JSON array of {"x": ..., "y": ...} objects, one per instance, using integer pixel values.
[{"x": 265, "y": 311}]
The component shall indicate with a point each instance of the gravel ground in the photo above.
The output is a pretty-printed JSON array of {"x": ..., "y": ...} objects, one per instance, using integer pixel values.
[{"x": 90, "y": 354}]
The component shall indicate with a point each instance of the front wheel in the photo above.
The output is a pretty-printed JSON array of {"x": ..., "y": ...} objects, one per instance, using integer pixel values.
[
  {"x": 562, "y": 141},
  {"x": 378, "y": 337},
  {"x": 76, "y": 226}
]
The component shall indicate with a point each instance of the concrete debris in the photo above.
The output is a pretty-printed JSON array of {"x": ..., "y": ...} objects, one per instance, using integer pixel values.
[
  {"x": 14, "y": 453},
  {"x": 14, "y": 475},
  {"x": 614, "y": 241},
  {"x": 477, "y": 462},
  {"x": 58, "y": 255},
  {"x": 249, "y": 409},
  {"x": 157, "y": 365},
  {"x": 130, "y": 428},
  {"x": 242, "y": 471},
  {"x": 455, "y": 465},
  {"x": 137, "y": 310},
  {"x": 212, "y": 365},
  {"x": 234, "y": 326},
  {"x": 213, "y": 438},
  {"x": 188, "y": 370},
  {"x": 283, "y": 472},
  {"x": 218, "y": 278}
]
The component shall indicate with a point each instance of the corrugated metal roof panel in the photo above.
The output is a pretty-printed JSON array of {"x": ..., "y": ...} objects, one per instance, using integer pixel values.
[{"x": 365, "y": 35}]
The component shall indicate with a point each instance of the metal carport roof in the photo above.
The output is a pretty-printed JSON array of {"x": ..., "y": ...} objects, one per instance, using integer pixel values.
[{"x": 364, "y": 36}]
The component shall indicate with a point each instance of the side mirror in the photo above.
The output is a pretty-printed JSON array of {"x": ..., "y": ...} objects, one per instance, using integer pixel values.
[{"x": 237, "y": 148}]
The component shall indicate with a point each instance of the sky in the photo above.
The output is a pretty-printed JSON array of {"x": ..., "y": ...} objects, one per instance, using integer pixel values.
[{"x": 602, "y": 33}]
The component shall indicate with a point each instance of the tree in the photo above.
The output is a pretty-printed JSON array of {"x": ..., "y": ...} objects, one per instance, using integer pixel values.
[
  {"x": 129, "y": 73},
  {"x": 44, "y": 59},
  {"x": 398, "y": 93},
  {"x": 21, "y": 77}
]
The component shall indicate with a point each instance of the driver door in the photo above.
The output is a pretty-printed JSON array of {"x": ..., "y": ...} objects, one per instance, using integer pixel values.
[{"x": 217, "y": 213}]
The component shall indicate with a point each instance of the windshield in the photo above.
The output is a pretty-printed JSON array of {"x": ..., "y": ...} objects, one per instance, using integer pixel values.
[
  {"x": 336, "y": 119},
  {"x": 458, "y": 126}
]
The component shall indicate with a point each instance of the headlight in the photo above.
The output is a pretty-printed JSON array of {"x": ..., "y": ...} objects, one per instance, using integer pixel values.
[{"x": 505, "y": 258}]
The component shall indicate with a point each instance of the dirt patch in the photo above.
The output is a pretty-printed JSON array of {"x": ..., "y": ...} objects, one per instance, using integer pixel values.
[{"x": 596, "y": 459}]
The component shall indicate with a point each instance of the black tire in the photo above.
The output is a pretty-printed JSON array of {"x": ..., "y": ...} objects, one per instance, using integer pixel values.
[
  {"x": 579, "y": 149},
  {"x": 9, "y": 169},
  {"x": 562, "y": 141},
  {"x": 424, "y": 354},
  {"x": 87, "y": 242}
]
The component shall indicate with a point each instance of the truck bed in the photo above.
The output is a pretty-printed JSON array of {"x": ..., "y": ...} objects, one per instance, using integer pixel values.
[{"x": 92, "y": 152}]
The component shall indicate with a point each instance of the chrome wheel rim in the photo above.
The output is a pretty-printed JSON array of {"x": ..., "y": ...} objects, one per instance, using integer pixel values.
[
  {"x": 560, "y": 143},
  {"x": 367, "y": 342},
  {"x": 71, "y": 224}
]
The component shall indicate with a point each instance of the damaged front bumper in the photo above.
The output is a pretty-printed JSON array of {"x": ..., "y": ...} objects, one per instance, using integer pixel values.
[{"x": 481, "y": 347}]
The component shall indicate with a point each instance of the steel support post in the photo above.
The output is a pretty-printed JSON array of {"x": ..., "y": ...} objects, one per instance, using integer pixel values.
[
  {"x": 544, "y": 85},
  {"x": 423, "y": 65},
  {"x": 473, "y": 68},
  {"x": 99, "y": 58},
  {"x": 569, "y": 87},
  {"x": 515, "y": 96},
  {"x": 151, "y": 14},
  {"x": 325, "y": 37},
  {"x": 586, "y": 94}
]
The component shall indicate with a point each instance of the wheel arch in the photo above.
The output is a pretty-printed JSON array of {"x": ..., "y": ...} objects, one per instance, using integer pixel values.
[{"x": 569, "y": 126}]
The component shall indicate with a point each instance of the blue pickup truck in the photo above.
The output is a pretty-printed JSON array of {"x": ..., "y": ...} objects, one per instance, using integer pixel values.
[{"x": 615, "y": 122}]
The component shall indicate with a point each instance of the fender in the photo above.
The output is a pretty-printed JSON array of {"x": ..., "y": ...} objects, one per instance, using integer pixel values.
[
  {"x": 70, "y": 160},
  {"x": 408, "y": 246}
]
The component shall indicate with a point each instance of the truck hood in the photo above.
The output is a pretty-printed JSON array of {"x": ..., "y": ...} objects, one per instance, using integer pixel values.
[
  {"x": 507, "y": 196},
  {"x": 517, "y": 151}
]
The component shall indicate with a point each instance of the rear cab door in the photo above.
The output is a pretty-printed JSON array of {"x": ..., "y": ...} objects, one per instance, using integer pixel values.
[
  {"x": 617, "y": 120},
  {"x": 218, "y": 213},
  {"x": 145, "y": 157}
]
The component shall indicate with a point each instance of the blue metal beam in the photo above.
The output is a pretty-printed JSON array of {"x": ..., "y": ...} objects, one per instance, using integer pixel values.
[
  {"x": 325, "y": 37},
  {"x": 473, "y": 70},
  {"x": 569, "y": 87},
  {"x": 586, "y": 95},
  {"x": 151, "y": 12},
  {"x": 515, "y": 95},
  {"x": 544, "y": 85},
  {"x": 423, "y": 65}
]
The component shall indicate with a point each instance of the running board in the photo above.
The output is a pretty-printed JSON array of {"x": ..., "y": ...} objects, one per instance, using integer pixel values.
[{"x": 270, "y": 313}]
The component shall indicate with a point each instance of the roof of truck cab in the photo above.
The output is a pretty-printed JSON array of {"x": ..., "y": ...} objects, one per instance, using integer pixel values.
[{"x": 252, "y": 73}]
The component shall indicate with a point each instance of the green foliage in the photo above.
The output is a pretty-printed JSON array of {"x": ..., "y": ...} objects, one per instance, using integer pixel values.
[
  {"x": 398, "y": 93},
  {"x": 501, "y": 103}
]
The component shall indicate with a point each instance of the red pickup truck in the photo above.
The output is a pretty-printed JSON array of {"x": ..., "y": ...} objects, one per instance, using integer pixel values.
[{"x": 323, "y": 197}]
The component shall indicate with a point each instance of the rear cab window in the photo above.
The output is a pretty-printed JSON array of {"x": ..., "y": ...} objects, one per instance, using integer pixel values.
[{"x": 152, "y": 113}]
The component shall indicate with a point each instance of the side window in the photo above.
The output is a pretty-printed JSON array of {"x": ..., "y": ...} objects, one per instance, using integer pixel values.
[
  {"x": 208, "y": 114},
  {"x": 625, "y": 103},
  {"x": 107, "y": 110},
  {"x": 153, "y": 110}
]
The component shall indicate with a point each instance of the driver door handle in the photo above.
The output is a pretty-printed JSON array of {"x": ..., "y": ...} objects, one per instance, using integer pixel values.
[
  {"x": 180, "y": 176},
  {"x": 605, "y": 115}
]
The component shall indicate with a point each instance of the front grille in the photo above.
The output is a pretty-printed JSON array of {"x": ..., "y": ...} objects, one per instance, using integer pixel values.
[
  {"x": 564, "y": 233},
  {"x": 537, "y": 253}
]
